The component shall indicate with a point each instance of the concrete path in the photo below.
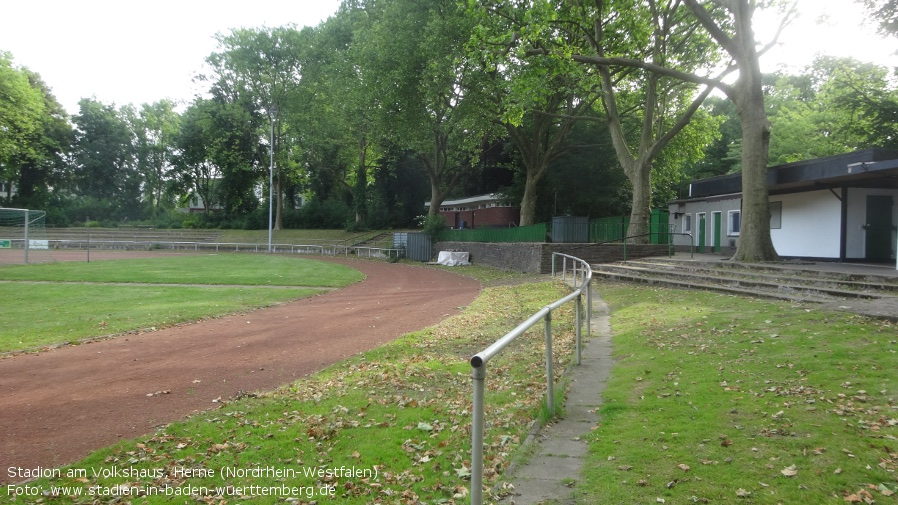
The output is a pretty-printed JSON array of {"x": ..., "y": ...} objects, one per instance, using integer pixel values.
[{"x": 560, "y": 448}]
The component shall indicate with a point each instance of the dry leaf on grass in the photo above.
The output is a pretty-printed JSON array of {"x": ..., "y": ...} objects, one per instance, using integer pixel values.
[{"x": 789, "y": 471}]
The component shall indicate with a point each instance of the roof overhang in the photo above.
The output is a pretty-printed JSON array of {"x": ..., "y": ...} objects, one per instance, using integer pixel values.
[{"x": 871, "y": 168}]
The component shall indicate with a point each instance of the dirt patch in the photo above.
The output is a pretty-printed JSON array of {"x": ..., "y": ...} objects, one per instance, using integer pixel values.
[{"x": 58, "y": 406}]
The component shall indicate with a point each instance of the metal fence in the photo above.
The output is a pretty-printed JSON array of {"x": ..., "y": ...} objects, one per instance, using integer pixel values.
[
  {"x": 581, "y": 279},
  {"x": 138, "y": 245},
  {"x": 614, "y": 229}
]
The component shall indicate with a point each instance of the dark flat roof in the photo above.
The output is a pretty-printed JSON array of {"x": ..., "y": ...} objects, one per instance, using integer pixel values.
[{"x": 870, "y": 168}]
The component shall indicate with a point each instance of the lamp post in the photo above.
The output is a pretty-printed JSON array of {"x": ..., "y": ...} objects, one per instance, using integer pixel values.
[{"x": 271, "y": 113}]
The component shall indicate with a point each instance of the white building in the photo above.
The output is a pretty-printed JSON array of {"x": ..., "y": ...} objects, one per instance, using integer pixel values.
[
  {"x": 839, "y": 208},
  {"x": 7, "y": 190}
]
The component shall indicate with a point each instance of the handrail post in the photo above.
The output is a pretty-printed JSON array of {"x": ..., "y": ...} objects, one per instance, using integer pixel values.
[
  {"x": 579, "y": 318},
  {"x": 479, "y": 374},
  {"x": 589, "y": 309},
  {"x": 550, "y": 393}
]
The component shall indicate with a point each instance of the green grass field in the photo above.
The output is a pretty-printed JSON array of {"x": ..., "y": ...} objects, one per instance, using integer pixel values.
[
  {"x": 724, "y": 399},
  {"x": 67, "y": 302}
]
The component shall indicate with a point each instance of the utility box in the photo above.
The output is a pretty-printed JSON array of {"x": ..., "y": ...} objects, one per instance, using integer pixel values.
[
  {"x": 418, "y": 246},
  {"x": 570, "y": 229}
]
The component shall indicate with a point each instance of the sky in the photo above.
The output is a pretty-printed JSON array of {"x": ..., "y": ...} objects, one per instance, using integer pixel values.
[
  {"x": 133, "y": 51},
  {"x": 831, "y": 27},
  {"x": 138, "y": 51}
]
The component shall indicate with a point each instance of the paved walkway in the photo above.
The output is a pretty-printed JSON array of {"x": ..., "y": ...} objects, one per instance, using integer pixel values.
[{"x": 561, "y": 447}]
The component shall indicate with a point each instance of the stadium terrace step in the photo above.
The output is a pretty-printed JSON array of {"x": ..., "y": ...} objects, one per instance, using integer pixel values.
[
  {"x": 138, "y": 234},
  {"x": 795, "y": 282}
]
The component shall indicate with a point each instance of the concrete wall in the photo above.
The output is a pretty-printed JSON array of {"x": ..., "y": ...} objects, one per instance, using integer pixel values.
[{"x": 537, "y": 257}]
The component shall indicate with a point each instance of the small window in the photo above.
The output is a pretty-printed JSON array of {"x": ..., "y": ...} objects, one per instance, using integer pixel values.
[
  {"x": 734, "y": 222},
  {"x": 776, "y": 215},
  {"x": 687, "y": 223}
]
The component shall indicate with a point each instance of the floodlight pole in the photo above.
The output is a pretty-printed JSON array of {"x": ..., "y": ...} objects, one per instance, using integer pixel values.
[{"x": 270, "y": 178}]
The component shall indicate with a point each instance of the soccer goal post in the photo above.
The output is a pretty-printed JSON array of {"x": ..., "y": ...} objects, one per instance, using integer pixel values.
[{"x": 25, "y": 230}]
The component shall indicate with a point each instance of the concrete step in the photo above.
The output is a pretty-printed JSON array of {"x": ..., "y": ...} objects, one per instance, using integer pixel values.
[
  {"x": 719, "y": 288},
  {"x": 835, "y": 272},
  {"x": 761, "y": 279},
  {"x": 768, "y": 281}
]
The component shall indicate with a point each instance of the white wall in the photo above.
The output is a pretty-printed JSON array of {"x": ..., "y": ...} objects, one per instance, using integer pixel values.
[
  {"x": 855, "y": 247},
  {"x": 810, "y": 225}
]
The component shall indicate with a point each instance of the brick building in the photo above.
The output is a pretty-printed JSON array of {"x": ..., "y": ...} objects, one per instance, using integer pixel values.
[{"x": 484, "y": 211}]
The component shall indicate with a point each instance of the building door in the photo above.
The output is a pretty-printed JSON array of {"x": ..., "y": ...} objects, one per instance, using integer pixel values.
[
  {"x": 879, "y": 228},
  {"x": 715, "y": 233},
  {"x": 702, "y": 227}
]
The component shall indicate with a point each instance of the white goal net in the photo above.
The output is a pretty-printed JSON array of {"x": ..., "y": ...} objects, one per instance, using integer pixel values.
[{"x": 23, "y": 236}]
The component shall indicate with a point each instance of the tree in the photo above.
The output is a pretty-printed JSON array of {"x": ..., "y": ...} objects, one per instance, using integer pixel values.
[
  {"x": 104, "y": 158},
  {"x": 155, "y": 130},
  {"x": 428, "y": 95},
  {"x": 884, "y": 11},
  {"x": 536, "y": 99},
  {"x": 340, "y": 111},
  {"x": 195, "y": 172},
  {"x": 730, "y": 25},
  {"x": 266, "y": 63},
  {"x": 36, "y": 165},
  {"x": 22, "y": 110},
  {"x": 645, "y": 109}
]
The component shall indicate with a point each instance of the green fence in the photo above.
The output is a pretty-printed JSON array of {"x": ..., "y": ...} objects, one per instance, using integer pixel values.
[
  {"x": 613, "y": 229},
  {"x": 607, "y": 229},
  {"x": 533, "y": 233}
]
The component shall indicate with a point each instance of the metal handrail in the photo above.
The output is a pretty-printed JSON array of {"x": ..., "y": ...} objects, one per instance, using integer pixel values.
[
  {"x": 669, "y": 242},
  {"x": 582, "y": 273}
]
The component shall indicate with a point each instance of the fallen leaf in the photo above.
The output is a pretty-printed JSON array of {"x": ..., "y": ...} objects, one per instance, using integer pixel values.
[
  {"x": 789, "y": 471},
  {"x": 683, "y": 467},
  {"x": 741, "y": 493}
]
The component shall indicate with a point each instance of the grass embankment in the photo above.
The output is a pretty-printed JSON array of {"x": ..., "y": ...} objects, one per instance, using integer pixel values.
[
  {"x": 290, "y": 236},
  {"x": 721, "y": 399},
  {"x": 68, "y": 302},
  {"x": 387, "y": 426}
]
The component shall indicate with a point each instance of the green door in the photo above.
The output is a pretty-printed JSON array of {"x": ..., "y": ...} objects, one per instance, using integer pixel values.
[{"x": 879, "y": 228}]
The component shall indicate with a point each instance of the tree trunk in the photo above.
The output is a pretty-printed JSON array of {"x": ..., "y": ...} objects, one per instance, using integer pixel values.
[
  {"x": 640, "y": 175},
  {"x": 528, "y": 202},
  {"x": 360, "y": 196},
  {"x": 535, "y": 176},
  {"x": 436, "y": 199},
  {"x": 755, "y": 243}
]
